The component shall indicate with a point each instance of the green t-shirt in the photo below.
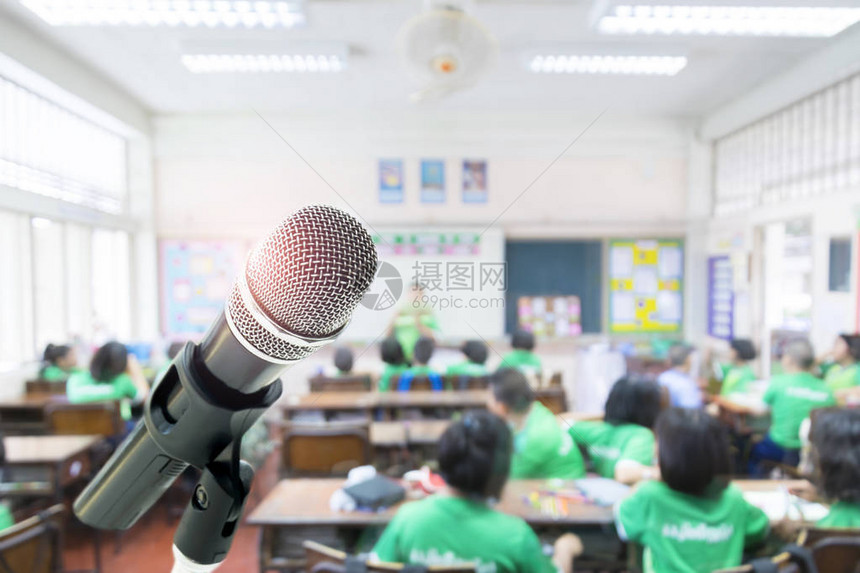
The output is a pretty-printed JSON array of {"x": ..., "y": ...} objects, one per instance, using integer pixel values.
[
  {"x": 53, "y": 373},
  {"x": 607, "y": 444},
  {"x": 791, "y": 398},
  {"x": 445, "y": 530},
  {"x": 838, "y": 377},
  {"x": 842, "y": 515},
  {"x": 736, "y": 379},
  {"x": 689, "y": 534},
  {"x": 543, "y": 450},
  {"x": 406, "y": 329},
  {"x": 524, "y": 360},
  {"x": 467, "y": 369},
  {"x": 6, "y": 519},
  {"x": 389, "y": 373},
  {"x": 82, "y": 387}
]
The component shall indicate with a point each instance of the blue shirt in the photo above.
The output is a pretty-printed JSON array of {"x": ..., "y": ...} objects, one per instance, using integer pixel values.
[{"x": 683, "y": 390}]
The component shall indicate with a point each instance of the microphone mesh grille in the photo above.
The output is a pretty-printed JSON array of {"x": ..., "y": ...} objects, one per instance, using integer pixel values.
[{"x": 307, "y": 276}]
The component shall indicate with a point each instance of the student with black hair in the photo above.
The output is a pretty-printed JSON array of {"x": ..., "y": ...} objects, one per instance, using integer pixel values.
[
  {"x": 522, "y": 357},
  {"x": 59, "y": 361},
  {"x": 693, "y": 520},
  {"x": 395, "y": 363},
  {"x": 458, "y": 526},
  {"x": 422, "y": 354},
  {"x": 791, "y": 396},
  {"x": 621, "y": 447},
  {"x": 476, "y": 354},
  {"x": 835, "y": 439},
  {"x": 343, "y": 360},
  {"x": 542, "y": 449},
  {"x": 842, "y": 370},
  {"x": 738, "y": 373},
  {"x": 114, "y": 374}
]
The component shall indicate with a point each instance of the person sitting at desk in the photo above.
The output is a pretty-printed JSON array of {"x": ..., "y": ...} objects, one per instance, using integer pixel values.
[
  {"x": 693, "y": 520},
  {"x": 414, "y": 321},
  {"x": 836, "y": 456},
  {"x": 621, "y": 447},
  {"x": 114, "y": 375},
  {"x": 842, "y": 371},
  {"x": 476, "y": 354},
  {"x": 738, "y": 373},
  {"x": 791, "y": 397},
  {"x": 522, "y": 357},
  {"x": 542, "y": 449},
  {"x": 684, "y": 391},
  {"x": 458, "y": 526},
  {"x": 395, "y": 363},
  {"x": 424, "y": 349},
  {"x": 59, "y": 362}
]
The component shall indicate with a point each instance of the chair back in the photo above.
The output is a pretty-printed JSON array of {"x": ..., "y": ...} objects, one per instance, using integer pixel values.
[
  {"x": 40, "y": 386},
  {"x": 838, "y": 554},
  {"x": 782, "y": 561},
  {"x": 33, "y": 546},
  {"x": 352, "y": 383},
  {"x": 93, "y": 419},
  {"x": 421, "y": 384},
  {"x": 464, "y": 382},
  {"x": 554, "y": 381},
  {"x": 322, "y": 559},
  {"x": 324, "y": 449},
  {"x": 810, "y": 536},
  {"x": 555, "y": 401}
]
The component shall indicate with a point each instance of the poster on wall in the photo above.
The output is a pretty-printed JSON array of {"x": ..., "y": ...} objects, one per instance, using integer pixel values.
[
  {"x": 391, "y": 181},
  {"x": 196, "y": 277},
  {"x": 550, "y": 316},
  {"x": 429, "y": 243},
  {"x": 646, "y": 279},
  {"x": 432, "y": 181},
  {"x": 721, "y": 297},
  {"x": 474, "y": 181}
]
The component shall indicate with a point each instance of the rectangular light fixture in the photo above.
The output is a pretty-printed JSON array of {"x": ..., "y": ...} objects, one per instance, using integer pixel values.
[
  {"x": 262, "y": 63},
  {"x": 607, "y": 64},
  {"x": 727, "y": 19},
  {"x": 192, "y": 13}
]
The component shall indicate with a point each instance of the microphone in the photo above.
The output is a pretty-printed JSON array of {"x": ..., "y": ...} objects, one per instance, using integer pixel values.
[{"x": 297, "y": 294}]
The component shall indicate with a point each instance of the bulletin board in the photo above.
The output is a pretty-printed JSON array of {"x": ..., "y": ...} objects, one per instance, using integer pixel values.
[
  {"x": 196, "y": 277},
  {"x": 646, "y": 285},
  {"x": 550, "y": 316}
]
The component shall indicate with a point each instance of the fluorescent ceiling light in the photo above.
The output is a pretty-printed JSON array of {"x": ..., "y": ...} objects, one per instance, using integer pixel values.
[
  {"x": 608, "y": 64},
  {"x": 727, "y": 20},
  {"x": 256, "y": 63},
  {"x": 211, "y": 13}
]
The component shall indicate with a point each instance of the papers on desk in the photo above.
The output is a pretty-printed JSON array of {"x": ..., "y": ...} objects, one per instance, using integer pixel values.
[
  {"x": 780, "y": 504},
  {"x": 602, "y": 491}
]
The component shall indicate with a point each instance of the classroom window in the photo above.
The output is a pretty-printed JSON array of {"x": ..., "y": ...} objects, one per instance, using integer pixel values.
[
  {"x": 111, "y": 284},
  {"x": 16, "y": 333},
  {"x": 839, "y": 271},
  {"x": 808, "y": 149},
  {"x": 49, "y": 150}
]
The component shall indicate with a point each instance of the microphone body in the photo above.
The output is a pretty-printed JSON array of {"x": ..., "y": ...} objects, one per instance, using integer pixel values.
[{"x": 296, "y": 295}]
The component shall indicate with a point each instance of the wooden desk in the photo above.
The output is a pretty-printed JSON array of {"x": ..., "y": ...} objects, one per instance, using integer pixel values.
[
  {"x": 53, "y": 461},
  {"x": 406, "y": 433},
  {"x": 25, "y": 414}
]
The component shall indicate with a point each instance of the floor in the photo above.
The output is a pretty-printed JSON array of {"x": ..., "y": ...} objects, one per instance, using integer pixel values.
[{"x": 147, "y": 546}]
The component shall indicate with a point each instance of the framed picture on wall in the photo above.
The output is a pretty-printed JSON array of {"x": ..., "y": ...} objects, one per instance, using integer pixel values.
[
  {"x": 474, "y": 181},
  {"x": 432, "y": 181},
  {"x": 391, "y": 181}
]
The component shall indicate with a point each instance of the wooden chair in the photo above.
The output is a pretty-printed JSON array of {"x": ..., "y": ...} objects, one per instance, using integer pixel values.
[
  {"x": 466, "y": 382},
  {"x": 34, "y": 545},
  {"x": 324, "y": 449},
  {"x": 554, "y": 380},
  {"x": 555, "y": 402},
  {"x": 782, "y": 561},
  {"x": 353, "y": 383},
  {"x": 838, "y": 554},
  {"x": 421, "y": 384},
  {"x": 812, "y": 535},
  {"x": 45, "y": 387},
  {"x": 322, "y": 559},
  {"x": 94, "y": 419}
]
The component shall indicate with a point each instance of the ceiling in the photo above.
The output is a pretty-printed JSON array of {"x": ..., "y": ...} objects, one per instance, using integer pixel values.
[{"x": 145, "y": 63}]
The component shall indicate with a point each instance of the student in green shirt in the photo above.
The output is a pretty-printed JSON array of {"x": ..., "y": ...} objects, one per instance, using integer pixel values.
[
  {"x": 474, "y": 366},
  {"x": 6, "y": 519},
  {"x": 522, "y": 357},
  {"x": 693, "y": 520},
  {"x": 395, "y": 363},
  {"x": 738, "y": 373},
  {"x": 842, "y": 372},
  {"x": 414, "y": 321},
  {"x": 60, "y": 361},
  {"x": 458, "y": 525},
  {"x": 424, "y": 349},
  {"x": 114, "y": 375},
  {"x": 621, "y": 447},
  {"x": 542, "y": 449},
  {"x": 791, "y": 397},
  {"x": 835, "y": 439}
]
